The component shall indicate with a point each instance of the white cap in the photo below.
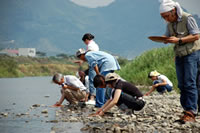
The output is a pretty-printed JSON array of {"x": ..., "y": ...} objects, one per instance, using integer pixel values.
[
  {"x": 154, "y": 73},
  {"x": 111, "y": 76},
  {"x": 80, "y": 52}
]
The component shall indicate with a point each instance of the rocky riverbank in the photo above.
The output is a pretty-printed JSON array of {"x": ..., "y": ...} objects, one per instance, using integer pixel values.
[{"x": 158, "y": 116}]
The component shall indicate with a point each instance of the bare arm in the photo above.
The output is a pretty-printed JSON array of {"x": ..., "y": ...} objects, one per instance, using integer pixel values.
[
  {"x": 156, "y": 85},
  {"x": 96, "y": 69},
  {"x": 106, "y": 104},
  {"x": 162, "y": 84},
  {"x": 61, "y": 100},
  {"x": 112, "y": 102},
  {"x": 186, "y": 39},
  {"x": 148, "y": 93},
  {"x": 101, "y": 109}
]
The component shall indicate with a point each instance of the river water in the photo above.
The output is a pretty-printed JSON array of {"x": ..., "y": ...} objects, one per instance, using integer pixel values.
[{"x": 17, "y": 95}]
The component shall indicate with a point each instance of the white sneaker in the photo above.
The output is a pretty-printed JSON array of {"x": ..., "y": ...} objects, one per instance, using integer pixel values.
[{"x": 90, "y": 102}]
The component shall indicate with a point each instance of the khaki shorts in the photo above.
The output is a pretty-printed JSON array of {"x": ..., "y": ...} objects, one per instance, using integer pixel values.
[{"x": 74, "y": 96}]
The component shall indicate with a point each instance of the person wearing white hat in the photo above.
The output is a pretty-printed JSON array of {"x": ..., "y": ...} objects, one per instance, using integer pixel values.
[
  {"x": 160, "y": 82},
  {"x": 123, "y": 92},
  {"x": 183, "y": 31},
  {"x": 91, "y": 73}
]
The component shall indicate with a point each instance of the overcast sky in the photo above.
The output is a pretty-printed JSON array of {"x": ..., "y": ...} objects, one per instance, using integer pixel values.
[
  {"x": 192, "y": 6},
  {"x": 93, "y": 3}
]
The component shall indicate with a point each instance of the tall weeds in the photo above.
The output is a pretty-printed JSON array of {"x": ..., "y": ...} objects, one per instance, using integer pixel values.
[{"x": 160, "y": 59}]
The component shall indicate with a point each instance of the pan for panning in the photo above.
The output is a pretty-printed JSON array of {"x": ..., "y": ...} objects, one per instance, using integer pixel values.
[{"x": 160, "y": 39}]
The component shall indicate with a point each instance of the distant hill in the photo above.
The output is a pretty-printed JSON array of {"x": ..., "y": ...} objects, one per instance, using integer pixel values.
[{"x": 57, "y": 26}]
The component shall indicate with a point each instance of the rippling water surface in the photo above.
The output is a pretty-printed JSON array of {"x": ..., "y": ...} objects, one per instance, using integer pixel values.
[{"x": 17, "y": 95}]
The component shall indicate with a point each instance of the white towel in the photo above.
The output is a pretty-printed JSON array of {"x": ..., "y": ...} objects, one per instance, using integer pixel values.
[{"x": 168, "y": 5}]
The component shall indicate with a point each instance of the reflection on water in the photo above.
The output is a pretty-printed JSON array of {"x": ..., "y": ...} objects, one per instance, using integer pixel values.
[{"x": 17, "y": 95}]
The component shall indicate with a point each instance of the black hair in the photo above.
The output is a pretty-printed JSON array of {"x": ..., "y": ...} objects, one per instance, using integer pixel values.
[
  {"x": 86, "y": 71},
  {"x": 87, "y": 36},
  {"x": 79, "y": 56},
  {"x": 98, "y": 80},
  {"x": 54, "y": 78},
  {"x": 149, "y": 75}
]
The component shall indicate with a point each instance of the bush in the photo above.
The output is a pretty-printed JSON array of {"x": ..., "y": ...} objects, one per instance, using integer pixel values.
[
  {"x": 8, "y": 67},
  {"x": 160, "y": 59}
]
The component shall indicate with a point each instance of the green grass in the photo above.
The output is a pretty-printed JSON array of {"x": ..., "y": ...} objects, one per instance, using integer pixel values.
[
  {"x": 8, "y": 67},
  {"x": 160, "y": 59},
  {"x": 28, "y": 66}
]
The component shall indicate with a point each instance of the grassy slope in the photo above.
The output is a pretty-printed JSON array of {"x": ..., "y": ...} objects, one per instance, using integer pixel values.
[
  {"x": 160, "y": 59},
  {"x": 27, "y": 66}
]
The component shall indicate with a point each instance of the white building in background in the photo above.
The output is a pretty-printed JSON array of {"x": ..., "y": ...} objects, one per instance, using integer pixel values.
[{"x": 27, "y": 52}]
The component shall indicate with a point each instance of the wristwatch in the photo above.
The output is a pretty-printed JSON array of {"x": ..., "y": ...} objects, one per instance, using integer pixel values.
[{"x": 180, "y": 41}]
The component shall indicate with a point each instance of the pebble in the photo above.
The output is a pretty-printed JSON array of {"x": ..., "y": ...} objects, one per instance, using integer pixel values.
[
  {"x": 45, "y": 111},
  {"x": 52, "y": 121},
  {"x": 47, "y": 96},
  {"x": 36, "y": 105},
  {"x": 158, "y": 116},
  {"x": 20, "y": 114},
  {"x": 5, "y": 114}
]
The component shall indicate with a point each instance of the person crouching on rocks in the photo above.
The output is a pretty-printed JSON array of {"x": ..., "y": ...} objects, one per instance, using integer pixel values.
[
  {"x": 160, "y": 82},
  {"x": 122, "y": 93},
  {"x": 72, "y": 90}
]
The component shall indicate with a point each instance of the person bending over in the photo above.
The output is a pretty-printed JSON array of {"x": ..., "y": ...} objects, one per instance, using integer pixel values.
[
  {"x": 122, "y": 93},
  {"x": 160, "y": 82},
  {"x": 72, "y": 90}
]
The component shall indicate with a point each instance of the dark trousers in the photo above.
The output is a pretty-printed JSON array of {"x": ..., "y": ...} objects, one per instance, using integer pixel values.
[{"x": 131, "y": 102}]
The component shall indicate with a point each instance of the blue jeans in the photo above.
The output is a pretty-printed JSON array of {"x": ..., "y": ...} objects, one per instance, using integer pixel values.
[
  {"x": 161, "y": 89},
  {"x": 186, "y": 70},
  {"x": 108, "y": 93},
  {"x": 92, "y": 89},
  {"x": 100, "y": 93},
  {"x": 198, "y": 87}
]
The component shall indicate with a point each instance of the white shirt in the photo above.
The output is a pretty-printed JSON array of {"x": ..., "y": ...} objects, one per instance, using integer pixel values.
[
  {"x": 92, "y": 46},
  {"x": 163, "y": 77},
  {"x": 87, "y": 83},
  {"x": 74, "y": 81}
]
